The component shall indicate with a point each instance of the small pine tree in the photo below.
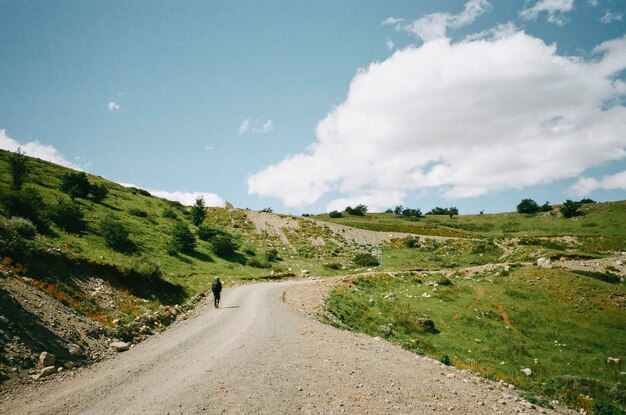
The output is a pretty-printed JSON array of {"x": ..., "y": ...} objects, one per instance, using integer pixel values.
[
  {"x": 76, "y": 185},
  {"x": 570, "y": 209},
  {"x": 68, "y": 216},
  {"x": 198, "y": 212},
  {"x": 98, "y": 192},
  {"x": 115, "y": 234},
  {"x": 18, "y": 168}
]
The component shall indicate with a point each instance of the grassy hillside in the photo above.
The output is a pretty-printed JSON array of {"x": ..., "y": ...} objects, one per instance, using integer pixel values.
[
  {"x": 58, "y": 260},
  {"x": 561, "y": 325},
  {"x": 599, "y": 220}
]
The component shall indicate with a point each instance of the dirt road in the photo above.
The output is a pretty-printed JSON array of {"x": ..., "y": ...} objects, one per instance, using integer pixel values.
[{"x": 258, "y": 355}]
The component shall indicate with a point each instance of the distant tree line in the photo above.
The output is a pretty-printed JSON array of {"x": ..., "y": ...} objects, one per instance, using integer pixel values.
[{"x": 568, "y": 209}]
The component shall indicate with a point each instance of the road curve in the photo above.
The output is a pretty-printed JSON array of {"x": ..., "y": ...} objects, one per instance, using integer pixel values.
[{"x": 257, "y": 355}]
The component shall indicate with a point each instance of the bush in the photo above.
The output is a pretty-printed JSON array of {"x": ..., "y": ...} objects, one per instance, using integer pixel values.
[
  {"x": 570, "y": 209},
  {"x": 138, "y": 212},
  {"x": 182, "y": 239},
  {"x": 223, "y": 245},
  {"x": 76, "y": 185},
  {"x": 168, "y": 212},
  {"x": 444, "y": 211},
  {"x": 206, "y": 233},
  {"x": 267, "y": 210},
  {"x": 365, "y": 260},
  {"x": 115, "y": 234},
  {"x": 23, "y": 227},
  {"x": 68, "y": 216},
  {"x": 26, "y": 203},
  {"x": 98, "y": 192},
  {"x": 586, "y": 201},
  {"x": 445, "y": 359},
  {"x": 412, "y": 213},
  {"x": 333, "y": 265},
  {"x": 256, "y": 263},
  {"x": 545, "y": 207},
  {"x": 359, "y": 210},
  {"x": 145, "y": 268},
  {"x": 605, "y": 408},
  {"x": 272, "y": 255},
  {"x": 335, "y": 214},
  {"x": 527, "y": 206},
  {"x": 411, "y": 242},
  {"x": 198, "y": 211},
  {"x": 12, "y": 244}
]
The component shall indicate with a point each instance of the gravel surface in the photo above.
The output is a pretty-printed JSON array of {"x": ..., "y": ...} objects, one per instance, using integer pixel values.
[{"x": 260, "y": 355}]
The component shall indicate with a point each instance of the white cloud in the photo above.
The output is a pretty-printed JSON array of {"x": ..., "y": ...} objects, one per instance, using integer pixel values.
[
  {"x": 247, "y": 125},
  {"x": 585, "y": 185},
  {"x": 434, "y": 26},
  {"x": 265, "y": 128},
  {"x": 113, "y": 106},
  {"x": 208, "y": 148},
  {"x": 592, "y": 3},
  {"x": 389, "y": 43},
  {"x": 554, "y": 8},
  {"x": 244, "y": 127},
  {"x": 36, "y": 149},
  {"x": 610, "y": 17},
  {"x": 186, "y": 198},
  {"x": 391, "y": 21},
  {"x": 466, "y": 119}
]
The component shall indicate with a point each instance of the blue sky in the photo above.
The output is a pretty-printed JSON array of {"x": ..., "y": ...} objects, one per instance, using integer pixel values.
[{"x": 311, "y": 106}]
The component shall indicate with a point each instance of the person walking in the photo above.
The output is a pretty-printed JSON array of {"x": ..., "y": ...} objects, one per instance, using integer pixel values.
[{"x": 216, "y": 287}]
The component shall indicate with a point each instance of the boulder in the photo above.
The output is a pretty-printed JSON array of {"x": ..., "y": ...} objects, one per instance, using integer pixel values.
[
  {"x": 46, "y": 359},
  {"x": 74, "y": 349},
  {"x": 613, "y": 360},
  {"x": 68, "y": 365},
  {"x": 527, "y": 371},
  {"x": 47, "y": 371},
  {"x": 544, "y": 262},
  {"x": 426, "y": 325},
  {"x": 119, "y": 346}
]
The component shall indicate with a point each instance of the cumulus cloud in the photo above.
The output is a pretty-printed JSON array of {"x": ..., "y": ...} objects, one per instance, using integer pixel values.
[
  {"x": 586, "y": 185},
  {"x": 389, "y": 43},
  {"x": 244, "y": 127},
  {"x": 36, "y": 149},
  {"x": 555, "y": 9},
  {"x": 435, "y": 26},
  {"x": 186, "y": 198},
  {"x": 391, "y": 21},
  {"x": 610, "y": 17},
  {"x": 464, "y": 119},
  {"x": 113, "y": 106}
]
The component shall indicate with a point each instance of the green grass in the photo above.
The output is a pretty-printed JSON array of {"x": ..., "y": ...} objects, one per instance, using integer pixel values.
[
  {"x": 561, "y": 325},
  {"x": 600, "y": 220}
]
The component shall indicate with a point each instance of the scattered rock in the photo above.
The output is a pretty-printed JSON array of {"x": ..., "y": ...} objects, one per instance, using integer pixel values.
[
  {"x": 47, "y": 371},
  {"x": 527, "y": 371},
  {"x": 68, "y": 365},
  {"x": 544, "y": 262},
  {"x": 74, "y": 349},
  {"x": 613, "y": 360},
  {"x": 426, "y": 325},
  {"x": 46, "y": 359},
  {"x": 119, "y": 346}
]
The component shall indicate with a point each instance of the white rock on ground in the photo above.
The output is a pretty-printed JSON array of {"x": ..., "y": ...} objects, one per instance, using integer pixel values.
[
  {"x": 47, "y": 371},
  {"x": 47, "y": 359},
  {"x": 119, "y": 346}
]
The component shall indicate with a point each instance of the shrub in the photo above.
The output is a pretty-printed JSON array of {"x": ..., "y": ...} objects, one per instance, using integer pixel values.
[
  {"x": 359, "y": 210},
  {"x": 138, "y": 212},
  {"x": 26, "y": 203},
  {"x": 445, "y": 359},
  {"x": 223, "y": 245},
  {"x": 115, "y": 234},
  {"x": 267, "y": 210},
  {"x": 444, "y": 211},
  {"x": 98, "y": 192},
  {"x": 182, "y": 239},
  {"x": 601, "y": 407},
  {"x": 168, "y": 212},
  {"x": 412, "y": 213},
  {"x": 198, "y": 211},
  {"x": 602, "y": 276},
  {"x": 570, "y": 209},
  {"x": 272, "y": 255},
  {"x": 18, "y": 168},
  {"x": 443, "y": 280},
  {"x": 23, "y": 227},
  {"x": 76, "y": 185},
  {"x": 411, "y": 242},
  {"x": 527, "y": 206},
  {"x": 335, "y": 214},
  {"x": 68, "y": 216},
  {"x": 365, "y": 260},
  {"x": 333, "y": 265},
  {"x": 206, "y": 233},
  {"x": 256, "y": 263},
  {"x": 586, "y": 201},
  {"x": 12, "y": 244},
  {"x": 145, "y": 268},
  {"x": 545, "y": 207}
]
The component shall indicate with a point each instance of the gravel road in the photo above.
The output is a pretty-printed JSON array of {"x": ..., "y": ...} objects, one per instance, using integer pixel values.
[{"x": 260, "y": 355}]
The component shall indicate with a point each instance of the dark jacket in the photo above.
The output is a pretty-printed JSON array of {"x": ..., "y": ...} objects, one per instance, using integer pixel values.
[{"x": 216, "y": 287}]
